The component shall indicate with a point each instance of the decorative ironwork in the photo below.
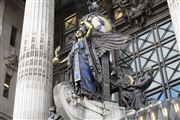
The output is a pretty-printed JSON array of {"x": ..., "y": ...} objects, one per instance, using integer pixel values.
[
  {"x": 118, "y": 13},
  {"x": 157, "y": 47},
  {"x": 69, "y": 28},
  {"x": 69, "y": 37},
  {"x": 70, "y": 22}
]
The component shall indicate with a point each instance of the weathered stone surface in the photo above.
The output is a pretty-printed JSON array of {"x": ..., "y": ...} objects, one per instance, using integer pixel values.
[
  {"x": 10, "y": 15},
  {"x": 73, "y": 107}
]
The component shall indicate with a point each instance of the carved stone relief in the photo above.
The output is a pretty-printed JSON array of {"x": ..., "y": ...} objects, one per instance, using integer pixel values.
[{"x": 11, "y": 58}]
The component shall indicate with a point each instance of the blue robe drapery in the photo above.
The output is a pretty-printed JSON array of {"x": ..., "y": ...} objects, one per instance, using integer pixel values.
[{"x": 80, "y": 64}]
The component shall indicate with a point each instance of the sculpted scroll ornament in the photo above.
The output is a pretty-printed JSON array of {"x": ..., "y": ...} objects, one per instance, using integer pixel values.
[
  {"x": 136, "y": 12},
  {"x": 71, "y": 97},
  {"x": 11, "y": 58}
]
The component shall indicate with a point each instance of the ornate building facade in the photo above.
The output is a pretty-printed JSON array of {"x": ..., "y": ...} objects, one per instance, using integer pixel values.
[
  {"x": 11, "y": 21},
  {"x": 31, "y": 29}
]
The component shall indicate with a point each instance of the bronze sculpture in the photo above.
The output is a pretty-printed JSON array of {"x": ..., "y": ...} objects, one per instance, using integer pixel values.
[
  {"x": 91, "y": 72},
  {"x": 88, "y": 48},
  {"x": 123, "y": 81},
  {"x": 140, "y": 86}
]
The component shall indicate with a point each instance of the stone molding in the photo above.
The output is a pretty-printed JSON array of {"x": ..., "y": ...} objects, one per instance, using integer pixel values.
[{"x": 73, "y": 107}]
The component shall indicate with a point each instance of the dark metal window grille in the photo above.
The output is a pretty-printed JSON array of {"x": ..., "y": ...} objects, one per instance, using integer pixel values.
[
  {"x": 7, "y": 85},
  {"x": 70, "y": 22},
  {"x": 116, "y": 2},
  {"x": 13, "y": 36},
  {"x": 70, "y": 28},
  {"x": 61, "y": 76},
  {"x": 70, "y": 37},
  {"x": 156, "y": 46}
]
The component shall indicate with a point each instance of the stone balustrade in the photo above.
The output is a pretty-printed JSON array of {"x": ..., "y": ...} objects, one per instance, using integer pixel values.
[{"x": 168, "y": 109}]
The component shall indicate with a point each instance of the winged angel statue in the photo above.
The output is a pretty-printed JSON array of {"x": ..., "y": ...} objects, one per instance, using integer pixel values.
[{"x": 93, "y": 38}]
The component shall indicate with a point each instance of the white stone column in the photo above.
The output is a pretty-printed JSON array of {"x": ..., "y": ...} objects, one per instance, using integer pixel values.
[
  {"x": 34, "y": 82},
  {"x": 174, "y": 8}
]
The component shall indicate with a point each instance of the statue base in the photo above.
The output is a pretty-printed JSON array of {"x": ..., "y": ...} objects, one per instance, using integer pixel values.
[{"x": 71, "y": 107}]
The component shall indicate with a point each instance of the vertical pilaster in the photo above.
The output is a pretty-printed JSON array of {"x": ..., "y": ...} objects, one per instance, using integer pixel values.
[
  {"x": 174, "y": 8},
  {"x": 34, "y": 82},
  {"x": 2, "y": 6}
]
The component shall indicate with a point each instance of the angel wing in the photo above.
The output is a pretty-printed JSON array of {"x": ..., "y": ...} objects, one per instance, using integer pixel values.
[{"x": 108, "y": 41}]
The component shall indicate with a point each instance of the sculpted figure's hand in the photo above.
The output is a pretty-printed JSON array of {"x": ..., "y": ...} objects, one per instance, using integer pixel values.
[{"x": 56, "y": 58}]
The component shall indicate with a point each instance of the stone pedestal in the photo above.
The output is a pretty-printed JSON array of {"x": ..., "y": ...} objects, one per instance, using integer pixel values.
[
  {"x": 34, "y": 82},
  {"x": 174, "y": 8},
  {"x": 72, "y": 107}
]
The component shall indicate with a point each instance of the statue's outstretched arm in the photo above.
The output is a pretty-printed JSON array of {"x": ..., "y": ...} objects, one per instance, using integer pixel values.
[
  {"x": 57, "y": 60},
  {"x": 144, "y": 80},
  {"x": 65, "y": 59},
  {"x": 137, "y": 85}
]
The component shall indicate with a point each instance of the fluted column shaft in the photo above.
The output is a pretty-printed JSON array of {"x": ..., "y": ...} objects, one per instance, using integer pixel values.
[
  {"x": 174, "y": 8},
  {"x": 34, "y": 82}
]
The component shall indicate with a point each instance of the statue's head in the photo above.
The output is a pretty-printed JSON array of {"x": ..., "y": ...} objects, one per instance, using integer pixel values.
[
  {"x": 80, "y": 32},
  {"x": 92, "y": 6}
]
